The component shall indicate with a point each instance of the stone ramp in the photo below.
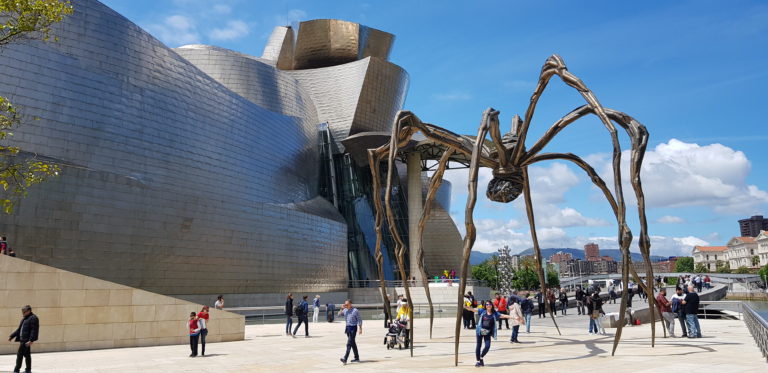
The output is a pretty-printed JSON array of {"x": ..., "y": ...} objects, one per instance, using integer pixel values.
[{"x": 79, "y": 312}]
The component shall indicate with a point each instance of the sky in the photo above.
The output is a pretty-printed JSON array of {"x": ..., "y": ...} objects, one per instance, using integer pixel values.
[{"x": 693, "y": 72}]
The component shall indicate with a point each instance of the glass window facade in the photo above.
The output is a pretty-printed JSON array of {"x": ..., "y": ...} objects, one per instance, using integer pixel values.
[{"x": 349, "y": 187}]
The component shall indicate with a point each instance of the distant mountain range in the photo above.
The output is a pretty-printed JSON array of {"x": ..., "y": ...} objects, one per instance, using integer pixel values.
[{"x": 477, "y": 257}]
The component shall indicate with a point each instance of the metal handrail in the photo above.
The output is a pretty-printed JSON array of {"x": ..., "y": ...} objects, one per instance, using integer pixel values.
[
  {"x": 411, "y": 283},
  {"x": 757, "y": 327}
]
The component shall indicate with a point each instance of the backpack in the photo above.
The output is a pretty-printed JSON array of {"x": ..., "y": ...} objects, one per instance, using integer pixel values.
[
  {"x": 676, "y": 305},
  {"x": 298, "y": 310}
]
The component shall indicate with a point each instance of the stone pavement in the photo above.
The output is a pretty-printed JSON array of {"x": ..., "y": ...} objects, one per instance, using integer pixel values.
[{"x": 727, "y": 346}]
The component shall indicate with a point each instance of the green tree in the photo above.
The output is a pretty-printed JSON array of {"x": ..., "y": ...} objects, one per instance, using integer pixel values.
[
  {"x": 487, "y": 271},
  {"x": 23, "y": 20},
  {"x": 764, "y": 273},
  {"x": 701, "y": 268},
  {"x": 742, "y": 270},
  {"x": 553, "y": 278},
  {"x": 525, "y": 278},
  {"x": 684, "y": 264},
  {"x": 755, "y": 261},
  {"x": 723, "y": 267}
]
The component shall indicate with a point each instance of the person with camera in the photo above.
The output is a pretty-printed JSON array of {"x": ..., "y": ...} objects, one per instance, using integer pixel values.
[{"x": 487, "y": 325}]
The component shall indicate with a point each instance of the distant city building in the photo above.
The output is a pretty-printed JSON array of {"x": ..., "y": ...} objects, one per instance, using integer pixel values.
[
  {"x": 515, "y": 262},
  {"x": 560, "y": 257},
  {"x": 740, "y": 251},
  {"x": 709, "y": 256},
  {"x": 751, "y": 227},
  {"x": 762, "y": 247},
  {"x": 578, "y": 267},
  {"x": 607, "y": 258},
  {"x": 592, "y": 252}
]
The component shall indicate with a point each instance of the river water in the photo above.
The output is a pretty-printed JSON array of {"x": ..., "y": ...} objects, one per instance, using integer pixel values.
[{"x": 760, "y": 306}]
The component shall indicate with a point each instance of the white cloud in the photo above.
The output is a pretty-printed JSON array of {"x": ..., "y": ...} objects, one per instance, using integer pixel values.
[
  {"x": 222, "y": 9},
  {"x": 453, "y": 96},
  {"x": 176, "y": 30},
  {"x": 293, "y": 15},
  {"x": 677, "y": 174},
  {"x": 235, "y": 29},
  {"x": 567, "y": 217},
  {"x": 669, "y": 219}
]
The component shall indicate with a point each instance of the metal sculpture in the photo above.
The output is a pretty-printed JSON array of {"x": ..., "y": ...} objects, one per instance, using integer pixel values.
[{"x": 507, "y": 156}]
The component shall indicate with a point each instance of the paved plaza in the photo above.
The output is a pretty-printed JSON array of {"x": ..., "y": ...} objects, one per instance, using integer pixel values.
[{"x": 727, "y": 346}]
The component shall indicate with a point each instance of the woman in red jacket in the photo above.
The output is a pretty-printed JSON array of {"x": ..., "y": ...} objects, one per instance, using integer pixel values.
[{"x": 194, "y": 333}]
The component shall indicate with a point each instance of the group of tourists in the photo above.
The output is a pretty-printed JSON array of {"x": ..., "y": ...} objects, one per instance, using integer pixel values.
[
  {"x": 683, "y": 306},
  {"x": 301, "y": 311},
  {"x": 697, "y": 281}
]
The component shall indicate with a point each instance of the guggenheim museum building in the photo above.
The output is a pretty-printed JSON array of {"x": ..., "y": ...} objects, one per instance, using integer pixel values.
[{"x": 197, "y": 171}]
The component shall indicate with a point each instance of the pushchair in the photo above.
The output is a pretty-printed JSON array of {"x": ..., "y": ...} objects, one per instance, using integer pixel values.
[{"x": 397, "y": 335}]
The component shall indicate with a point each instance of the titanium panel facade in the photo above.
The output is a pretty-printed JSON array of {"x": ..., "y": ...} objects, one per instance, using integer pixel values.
[
  {"x": 172, "y": 182},
  {"x": 194, "y": 172}
]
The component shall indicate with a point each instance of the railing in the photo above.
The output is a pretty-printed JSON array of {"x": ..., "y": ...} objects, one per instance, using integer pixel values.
[
  {"x": 411, "y": 283},
  {"x": 758, "y": 327},
  {"x": 706, "y": 308}
]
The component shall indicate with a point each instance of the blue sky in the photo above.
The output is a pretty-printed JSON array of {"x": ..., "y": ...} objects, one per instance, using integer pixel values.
[{"x": 693, "y": 72}]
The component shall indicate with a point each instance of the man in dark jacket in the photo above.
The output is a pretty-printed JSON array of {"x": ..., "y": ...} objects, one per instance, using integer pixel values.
[
  {"x": 288, "y": 314},
  {"x": 691, "y": 304},
  {"x": 540, "y": 300},
  {"x": 302, "y": 314},
  {"x": 26, "y": 334},
  {"x": 580, "y": 300}
]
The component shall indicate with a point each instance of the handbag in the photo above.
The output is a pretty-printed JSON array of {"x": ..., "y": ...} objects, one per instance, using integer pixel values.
[
  {"x": 484, "y": 331},
  {"x": 595, "y": 314}
]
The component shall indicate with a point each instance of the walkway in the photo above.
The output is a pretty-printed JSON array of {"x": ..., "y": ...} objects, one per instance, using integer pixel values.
[{"x": 727, "y": 346}]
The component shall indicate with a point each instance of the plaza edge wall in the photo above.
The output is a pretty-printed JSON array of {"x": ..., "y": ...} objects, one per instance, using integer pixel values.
[
  {"x": 78, "y": 312},
  {"x": 171, "y": 182}
]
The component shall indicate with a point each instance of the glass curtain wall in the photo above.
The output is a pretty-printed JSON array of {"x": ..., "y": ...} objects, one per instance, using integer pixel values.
[{"x": 348, "y": 186}]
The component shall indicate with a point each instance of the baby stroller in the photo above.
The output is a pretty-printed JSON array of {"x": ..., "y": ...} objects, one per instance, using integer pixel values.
[{"x": 397, "y": 335}]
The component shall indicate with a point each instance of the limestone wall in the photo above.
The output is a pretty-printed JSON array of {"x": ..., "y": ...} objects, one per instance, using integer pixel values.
[{"x": 78, "y": 312}]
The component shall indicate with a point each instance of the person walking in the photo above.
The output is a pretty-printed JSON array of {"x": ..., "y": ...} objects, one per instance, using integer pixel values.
[
  {"x": 592, "y": 315},
  {"x": 203, "y": 317},
  {"x": 486, "y": 328},
  {"x": 540, "y": 301},
  {"x": 474, "y": 305},
  {"x": 580, "y": 295},
  {"x": 219, "y": 305},
  {"x": 500, "y": 303},
  {"x": 353, "y": 326},
  {"x": 679, "y": 310},
  {"x": 315, "y": 308},
  {"x": 302, "y": 314},
  {"x": 665, "y": 309},
  {"x": 26, "y": 334},
  {"x": 3, "y": 246},
  {"x": 288, "y": 314},
  {"x": 551, "y": 301},
  {"x": 691, "y": 303},
  {"x": 563, "y": 302},
  {"x": 612, "y": 292},
  {"x": 516, "y": 315},
  {"x": 467, "y": 316},
  {"x": 194, "y": 333},
  {"x": 527, "y": 307}
]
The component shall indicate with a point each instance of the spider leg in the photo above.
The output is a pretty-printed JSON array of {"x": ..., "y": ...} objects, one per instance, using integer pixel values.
[
  {"x": 400, "y": 134},
  {"x": 434, "y": 184},
  {"x": 469, "y": 239},
  {"x": 536, "y": 249},
  {"x": 624, "y": 237},
  {"x": 374, "y": 158}
]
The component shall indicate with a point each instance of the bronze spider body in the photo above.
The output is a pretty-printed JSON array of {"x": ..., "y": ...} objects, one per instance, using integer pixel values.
[{"x": 507, "y": 156}]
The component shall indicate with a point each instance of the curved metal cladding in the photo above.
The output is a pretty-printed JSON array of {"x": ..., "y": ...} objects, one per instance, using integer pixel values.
[
  {"x": 360, "y": 96},
  {"x": 442, "y": 240},
  {"x": 330, "y": 42},
  {"x": 172, "y": 182}
]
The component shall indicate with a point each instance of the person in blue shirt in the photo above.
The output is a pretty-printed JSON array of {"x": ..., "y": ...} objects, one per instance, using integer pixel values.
[
  {"x": 353, "y": 326},
  {"x": 302, "y": 313},
  {"x": 487, "y": 323}
]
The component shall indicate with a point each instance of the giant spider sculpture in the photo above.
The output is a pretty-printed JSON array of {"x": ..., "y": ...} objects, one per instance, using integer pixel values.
[{"x": 507, "y": 156}]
